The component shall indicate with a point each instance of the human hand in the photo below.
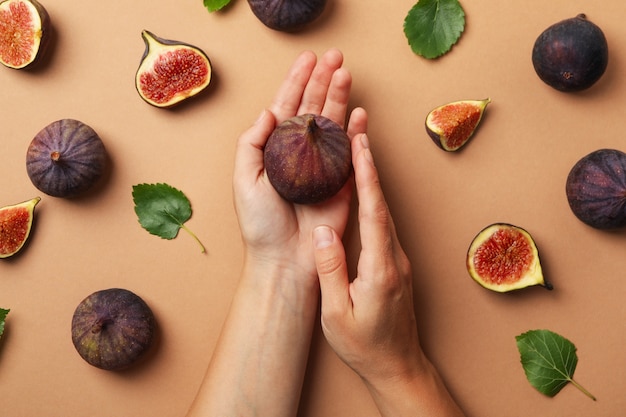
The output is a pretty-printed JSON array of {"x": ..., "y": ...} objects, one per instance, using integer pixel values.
[
  {"x": 369, "y": 322},
  {"x": 275, "y": 231}
]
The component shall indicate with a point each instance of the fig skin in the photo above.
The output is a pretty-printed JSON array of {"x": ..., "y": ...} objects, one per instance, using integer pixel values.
[
  {"x": 15, "y": 226},
  {"x": 113, "y": 328},
  {"x": 287, "y": 15},
  {"x": 571, "y": 55},
  {"x": 308, "y": 159},
  {"x": 170, "y": 71},
  {"x": 66, "y": 158},
  {"x": 596, "y": 189},
  {"x": 41, "y": 33}
]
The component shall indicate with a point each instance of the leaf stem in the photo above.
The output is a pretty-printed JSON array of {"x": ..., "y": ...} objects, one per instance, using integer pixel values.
[
  {"x": 581, "y": 388},
  {"x": 194, "y": 236}
]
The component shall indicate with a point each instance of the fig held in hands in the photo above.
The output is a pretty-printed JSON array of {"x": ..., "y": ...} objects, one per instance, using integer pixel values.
[
  {"x": 287, "y": 15},
  {"x": 308, "y": 159}
]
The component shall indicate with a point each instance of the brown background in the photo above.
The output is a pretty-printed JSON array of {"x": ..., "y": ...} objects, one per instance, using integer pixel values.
[{"x": 514, "y": 170}]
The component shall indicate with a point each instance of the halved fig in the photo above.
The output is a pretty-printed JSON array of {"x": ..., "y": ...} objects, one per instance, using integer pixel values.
[
  {"x": 15, "y": 225},
  {"x": 24, "y": 32},
  {"x": 503, "y": 257},
  {"x": 171, "y": 71},
  {"x": 451, "y": 125}
]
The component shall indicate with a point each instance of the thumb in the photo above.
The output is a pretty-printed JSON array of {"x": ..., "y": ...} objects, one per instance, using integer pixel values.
[{"x": 330, "y": 260}]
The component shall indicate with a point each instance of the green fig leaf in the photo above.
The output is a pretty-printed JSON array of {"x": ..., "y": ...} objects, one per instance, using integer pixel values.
[
  {"x": 549, "y": 361},
  {"x": 3, "y": 316},
  {"x": 433, "y": 26},
  {"x": 162, "y": 210},
  {"x": 215, "y": 5}
]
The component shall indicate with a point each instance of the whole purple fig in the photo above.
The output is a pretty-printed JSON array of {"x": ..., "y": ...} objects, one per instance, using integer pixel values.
[
  {"x": 112, "y": 328},
  {"x": 308, "y": 159},
  {"x": 287, "y": 15}
]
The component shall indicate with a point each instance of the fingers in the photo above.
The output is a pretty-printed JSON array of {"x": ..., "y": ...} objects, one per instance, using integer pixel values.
[
  {"x": 357, "y": 123},
  {"x": 249, "y": 154},
  {"x": 286, "y": 103},
  {"x": 312, "y": 86},
  {"x": 330, "y": 260},
  {"x": 376, "y": 226}
]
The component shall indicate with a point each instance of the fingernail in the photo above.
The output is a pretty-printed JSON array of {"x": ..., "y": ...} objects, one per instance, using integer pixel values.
[
  {"x": 322, "y": 237},
  {"x": 368, "y": 156},
  {"x": 365, "y": 141}
]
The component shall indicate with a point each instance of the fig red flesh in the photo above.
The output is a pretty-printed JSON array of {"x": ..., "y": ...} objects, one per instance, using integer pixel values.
[
  {"x": 24, "y": 32},
  {"x": 171, "y": 71},
  {"x": 15, "y": 226},
  {"x": 451, "y": 125}
]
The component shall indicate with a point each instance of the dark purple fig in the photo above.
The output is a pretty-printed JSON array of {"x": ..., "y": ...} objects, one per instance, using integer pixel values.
[
  {"x": 287, "y": 15},
  {"x": 171, "y": 71},
  {"x": 596, "y": 189},
  {"x": 113, "y": 328},
  {"x": 308, "y": 159},
  {"x": 503, "y": 257},
  {"x": 571, "y": 55},
  {"x": 24, "y": 32},
  {"x": 66, "y": 158},
  {"x": 15, "y": 224}
]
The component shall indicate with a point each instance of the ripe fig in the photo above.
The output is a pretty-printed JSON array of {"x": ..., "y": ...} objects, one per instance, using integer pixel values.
[
  {"x": 596, "y": 189},
  {"x": 15, "y": 225},
  {"x": 308, "y": 159},
  {"x": 287, "y": 15},
  {"x": 171, "y": 71},
  {"x": 451, "y": 125},
  {"x": 113, "y": 328},
  {"x": 503, "y": 258},
  {"x": 571, "y": 55},
  {"x": 24, "y": 32},
  {"x": 66, "y": 158}
]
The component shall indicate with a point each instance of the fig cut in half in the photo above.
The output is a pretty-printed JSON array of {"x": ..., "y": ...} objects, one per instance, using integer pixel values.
[
  {"x": 451, "y": 125},
  {"x": 113, "y": 328},
  {"x": 308, "y": 159},
  {"x": 503, "y": 257},
  {"x": 16, "y": 222},
  {"x": 24, "y": 32},
  {"x": 171, "y": 71}
]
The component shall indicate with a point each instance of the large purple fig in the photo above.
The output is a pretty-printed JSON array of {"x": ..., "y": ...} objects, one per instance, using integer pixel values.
[
  {"x": 287, "y": 15},
  {"x": 571, "y": 55},
  {"x": 596, "y": 189},
  {"x": 66, "y": 158},
  {"x": 113, "y": 328},
  {"x": 308, "y": 159}
]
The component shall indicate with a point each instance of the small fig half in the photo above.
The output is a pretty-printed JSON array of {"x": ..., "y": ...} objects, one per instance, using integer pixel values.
[
  {"x": 24, "y": 32},
  {"x": 171, "y": 71},
  {"x": 451, "y": 125},
  {"x": 596, "y": 189},
  {"x": 503, "y": 258},
  {"x": 308, "y": 159},
  {"x": 287, "y": 15},
  {"x": 15, "y": 224},
  {"x": 113, "y": 328},
  {"x": 66, "y": 158}
]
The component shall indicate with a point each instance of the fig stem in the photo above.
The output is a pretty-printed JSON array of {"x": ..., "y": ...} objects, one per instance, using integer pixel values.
[
  {"x": 100, "y": 324},
  {"x": 195, "y": 237}
]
